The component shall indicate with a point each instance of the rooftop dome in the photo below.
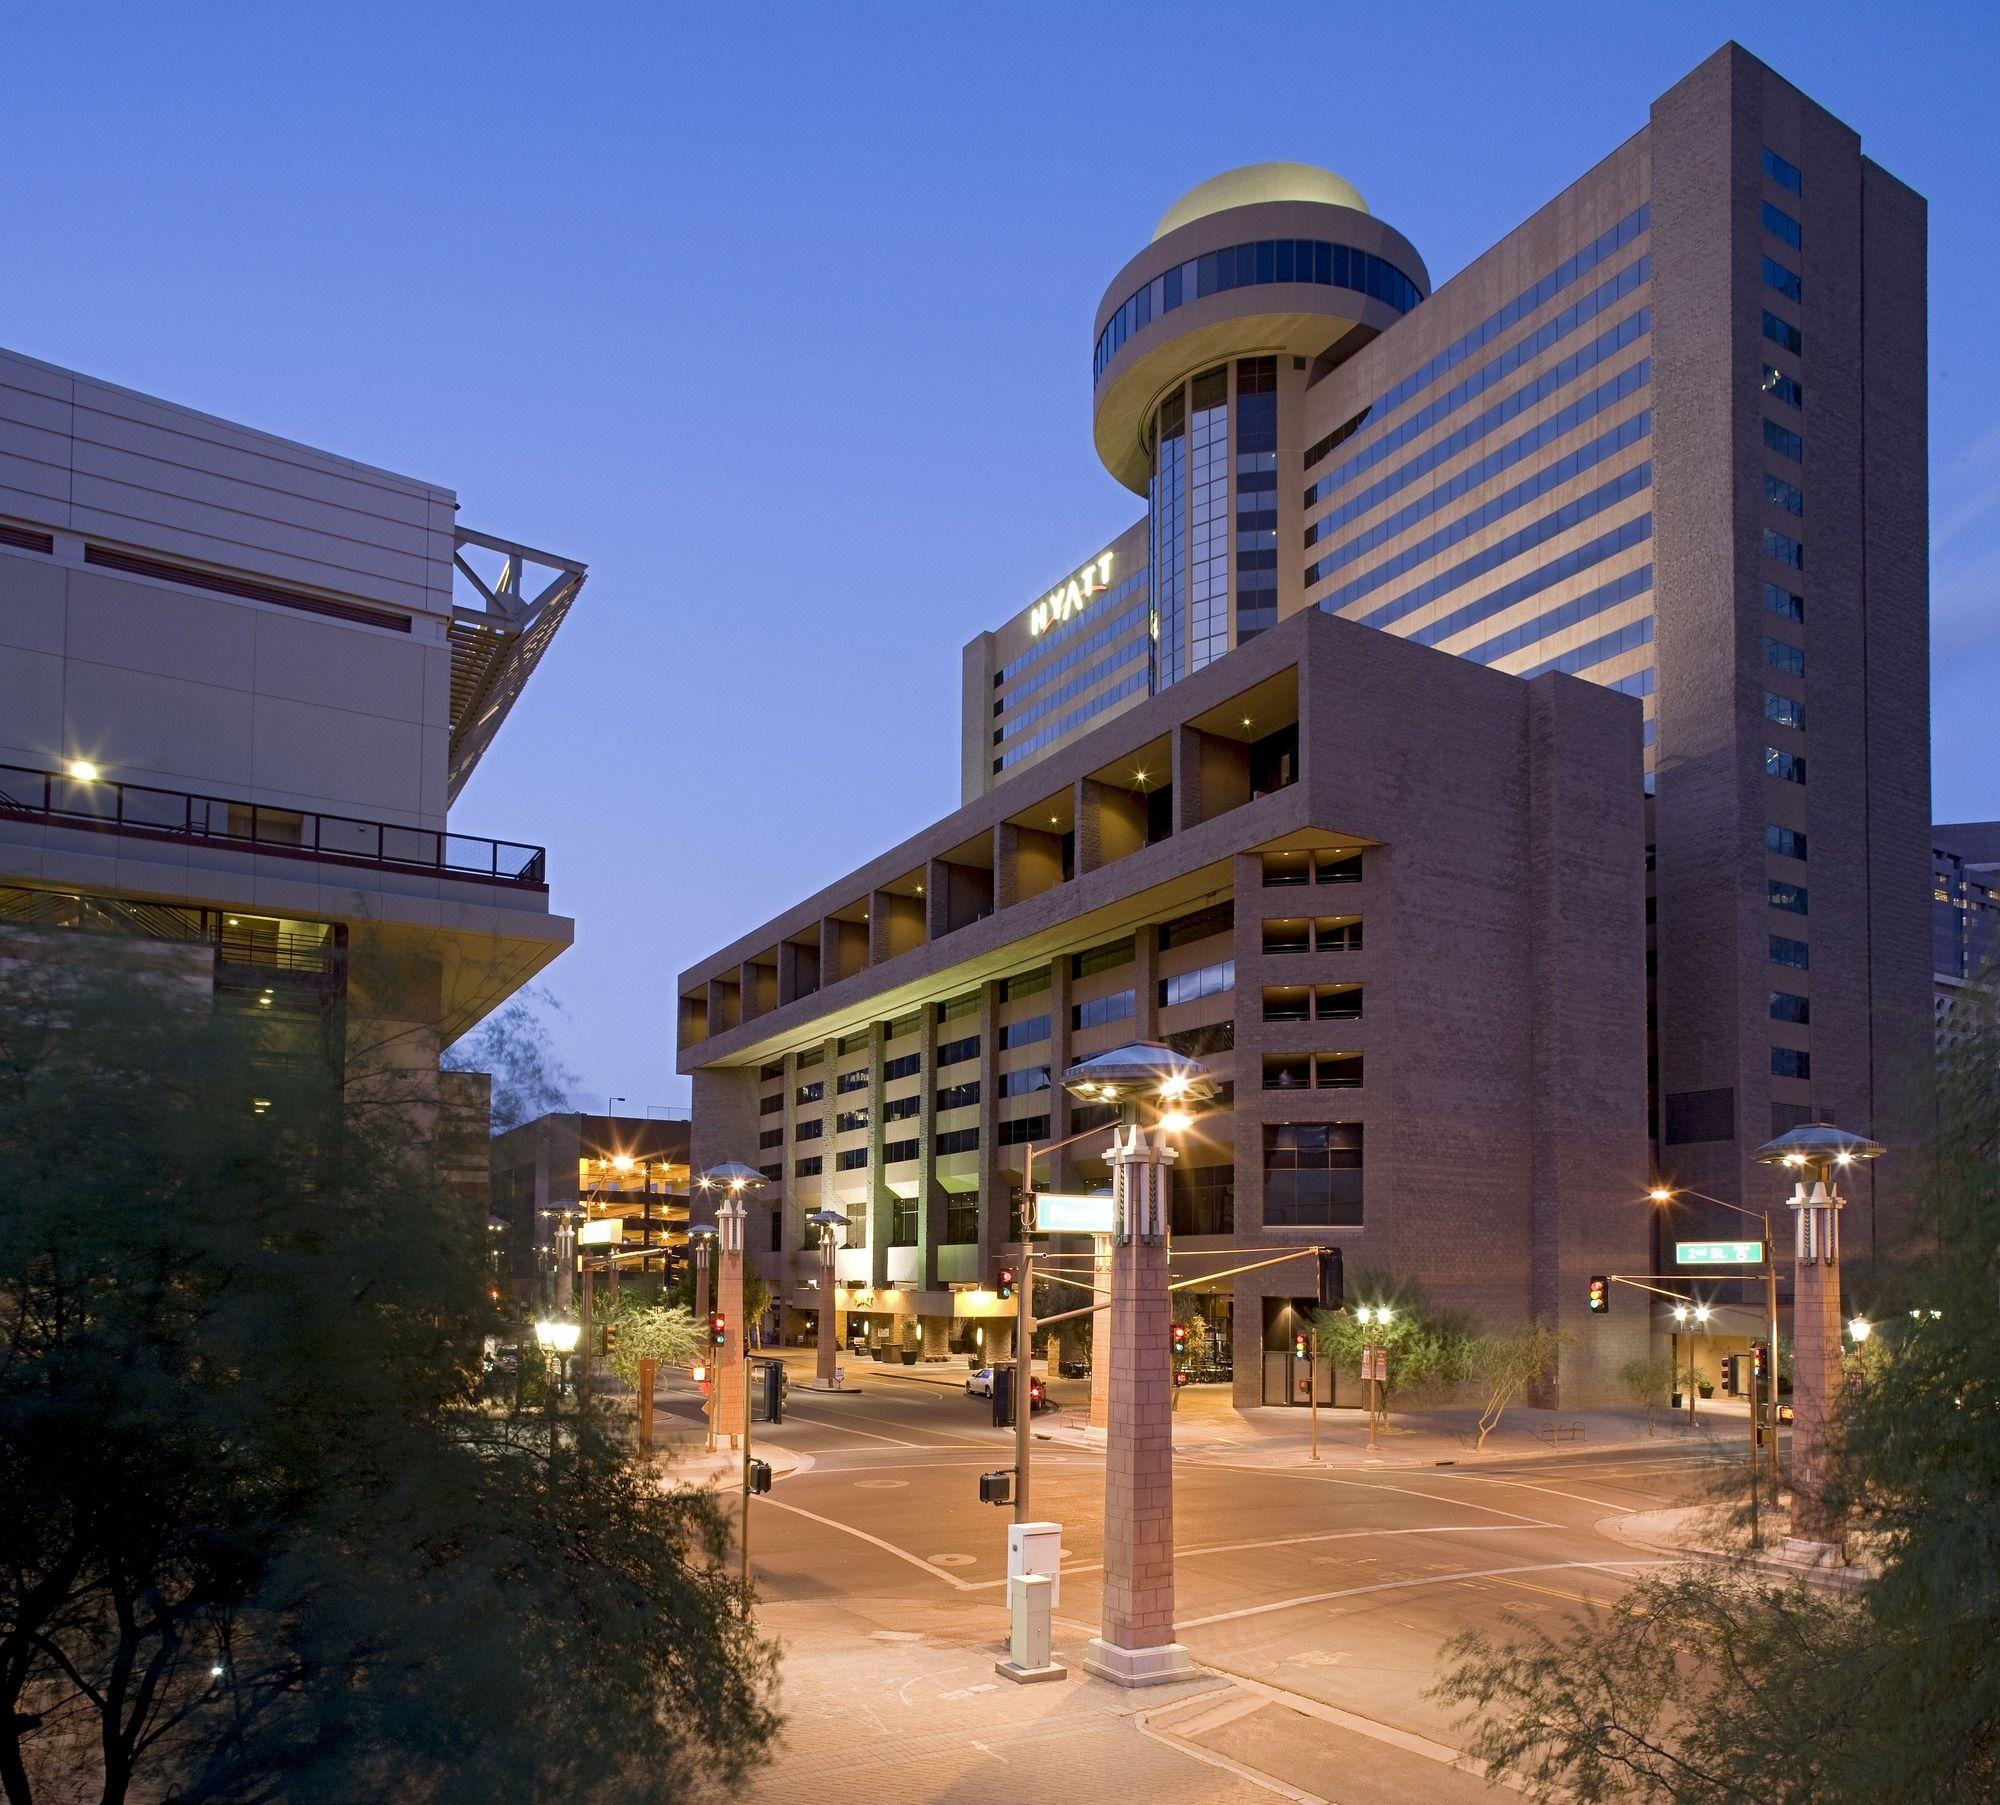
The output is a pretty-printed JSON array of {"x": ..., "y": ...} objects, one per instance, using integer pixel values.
[{"x": 1259, "y": 182}]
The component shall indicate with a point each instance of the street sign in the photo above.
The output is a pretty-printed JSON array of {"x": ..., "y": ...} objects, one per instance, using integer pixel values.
[
  {"x": 1070, "y": 1213},
  {"x": 606, "y": 1231},
  {"x": 1719, "y": 1253}
]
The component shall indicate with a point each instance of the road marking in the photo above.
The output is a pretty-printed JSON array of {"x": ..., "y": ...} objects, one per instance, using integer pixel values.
[
  {"x": 984, "y": 1750},
  {"x": 902, "y": 1554},
  {"x": 1521, "y": 1585},
  {"x": 953, "y": 1560},
  {"x": 953, "y": 1434},
  {"x": 1553, "y": 1491},
  {"x": 881, "y": 1485},
  {"x": 1213, "y": 1758},
  {"x": 1362, "y": 1486},
  {"x": 865, "y": 1434},
  {"x": 1400, "y": 1585}
]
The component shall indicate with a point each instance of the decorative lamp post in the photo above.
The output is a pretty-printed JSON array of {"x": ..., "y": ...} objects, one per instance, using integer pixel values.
[
  {"x": 726, "y": 1393},
  {"x": 557, "y": 1337},
  {"x": 701, "y": 1243},
  {"x": 1136, "y": 1645},
  {"x": 832, "y": 1226},
  {"x": 1819, "y": 1153}
]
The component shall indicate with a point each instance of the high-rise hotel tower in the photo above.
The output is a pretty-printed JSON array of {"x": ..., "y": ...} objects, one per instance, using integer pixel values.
[{"x": 1630, "y": 780}]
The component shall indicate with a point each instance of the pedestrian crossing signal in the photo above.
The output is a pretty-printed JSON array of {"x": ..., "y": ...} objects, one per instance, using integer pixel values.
[{"x": 1600, "y": 1294}]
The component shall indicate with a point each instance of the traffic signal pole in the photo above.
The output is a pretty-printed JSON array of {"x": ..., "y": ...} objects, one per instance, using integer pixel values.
[{"x": 1024, "y": 1375}]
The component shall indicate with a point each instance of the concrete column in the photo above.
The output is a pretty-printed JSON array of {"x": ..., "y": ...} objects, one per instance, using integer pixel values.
[
  {"x": 1006, "y": 865},
  {"x": 937, "y": 1335},
  {"x": 1816, "y": 1355},
  {"x": 1135, "y": 1645},
  {"x": 727, "y": 1386},
  {"x": 1100, "y": 1336},
  {"x": 1187, "y": 777},
  {"x": 998, "y": 1343},
  {"x": 829, "y": 1325}
]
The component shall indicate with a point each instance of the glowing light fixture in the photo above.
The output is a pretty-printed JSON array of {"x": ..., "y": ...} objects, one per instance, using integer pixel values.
[
  {"x": 83, "y": 770},
  {"x": 1860, "y": 1328}
]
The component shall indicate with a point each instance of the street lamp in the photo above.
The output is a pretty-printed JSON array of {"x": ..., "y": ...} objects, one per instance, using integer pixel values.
[
  {"x": 732, "y": 1179},
  {"x": 701, "y": 1242},
  {"x": 1860, "y": 1328},
  {"x": 832, "y": 1226},
  {"x": 556, "y": 1336}
]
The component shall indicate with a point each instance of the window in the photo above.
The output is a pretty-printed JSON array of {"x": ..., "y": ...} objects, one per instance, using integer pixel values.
[
  {"x": 813, "y": 1092},
  {"x": 1111, "y": 954},
  {"x": 1286, "y": 868},
  {"x": 1203, "y": 1199},
  {"x": 954, "y": 1051},
  {"x": 959, "y": 1096},
  {"x": 1794, "y": 953},
  {"x": 1786, "y": 842},
  {"x": 1288, "y": 1003},
  {"x": 1199, "y": 1043},
  {"x": 1337, "y": 1002},
  {"x": 910, "y": 1024},
  {"x": 902, "y": 1222},
  {"x": 773, "y": 1173},
  {"x": 1288, "y": 1072},
  {"x": 1782, "y": 656},
  {"x": 1783, "y": 334},
  {"x": 771, "y": 1137},
  {"x": 1024, "y": 1033},
  {"x": 961, "y": 1218},
  {"x": 808, "y": 1060},
  {"x": 1785, "y": 281},
  {"x": 901, "y": 1109},
  {"x": 1781, "y": 494},
  {"x": 959, "y": 1140},
  {"x": 1337, "y": 936},
  {"x": 1208, "y": 981},
  {"x": 897, "y": 1151},
  {"x": 1025, "y": 984},
  {"x": 809, "y": 1130},
  {"x": 1312, "y": 1174},
  {"x": 774, "y": 1068},
  {"x": 1787, "y": 711},
  {"x": 1293, "y": 934},
  {"x": 1781, "y": 225},
  {"x": 856, "y": 1080},
  {"x": 1783, "y": 602},
  {"x": 1086, "y": 1118},
  {"x": 1784, "y": 442},
  {"x": 1786, "y": 175},
  {"x": 806, "y": 1168},
  {"x": 958, "y": 1008},
  {"x": 1025, "y": 1082},
  {"x": 1787, "y": 1007},
  {"x": 1337, "y": 1071},
  {"x": 1781, "y": 387},
  {"x": 850, "y": 1119},
  {"x": 1790, "y": 897},
  {"x": 1184, "y": 930},
  {"x": 1022, "y": 1129},
  {"x": 1789, "y": 1062},
  {"x": 908, "y": 1066},
  {"x": 1337, "y": 868},
  {"x": 1787, "y": 550},
  {"x": 1100, "y": 1012},
  {"x": 1788, "y": 765},
  {"x": 769, "y": 1106},
  {"x": 851, "y": 1161},
  {"x": 851, "y": 1043}
]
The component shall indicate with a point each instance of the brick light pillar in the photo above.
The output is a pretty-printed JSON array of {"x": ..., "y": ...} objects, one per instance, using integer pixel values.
[
  {"x": 1100, "y": 1335},
  {"x": 1817, "y": 1153},
  {"x": 1136, "y": 1646},
  {"x": 727, "y": 1390},
  {"x": 830, "y": 1224},
  {"x": 937, "y": 1337}
]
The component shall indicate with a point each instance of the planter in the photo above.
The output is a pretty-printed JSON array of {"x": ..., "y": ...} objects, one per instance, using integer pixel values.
[
  {"x": 1676, "y": 1401},
  {"x": 1707, "y": 1391}
]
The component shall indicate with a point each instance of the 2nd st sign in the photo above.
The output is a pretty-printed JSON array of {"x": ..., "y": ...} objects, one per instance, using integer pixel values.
[{"x": 1719, "y": 1253}]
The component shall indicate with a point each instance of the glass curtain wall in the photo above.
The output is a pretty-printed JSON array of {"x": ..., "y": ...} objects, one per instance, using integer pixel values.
[
  {"x": 1168, "y": 536},
  {"x": 1256, "y": 496},
  {"x": 1208, "y": 506}
]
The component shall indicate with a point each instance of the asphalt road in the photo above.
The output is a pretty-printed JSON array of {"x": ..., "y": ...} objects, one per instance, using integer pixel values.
[{"x": 1325, "y": 1594}]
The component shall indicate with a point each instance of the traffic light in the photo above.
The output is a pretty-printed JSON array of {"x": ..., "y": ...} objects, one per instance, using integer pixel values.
[
  {"x": 1332, "y": 1280},
  {"x": 1180, "y": 1338},
  {"x": 1600, "y": 1294},
  {"x": 610, "y": 1338},
  {"x": 1005, "y": 1284},
  {"x": 717, "y": 1329},
  {"x": 1757, "y": 1361},
  {"x": 997, "y": 1488},
  {"x": 760, "y": 1476},
  {"x": 1300, "y": 1346}
]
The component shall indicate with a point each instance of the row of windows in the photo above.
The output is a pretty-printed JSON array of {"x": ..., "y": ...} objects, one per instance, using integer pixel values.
[
  {"x": 1784, "y": 602},
  {"x": 1313, "y": 1002},
  {"x": 1786, "y": 842},
  {"x": 1067, "y": 692},
  {"x": 1784, "y": 441},
  {"x": 1075, "y": 718},
  {"x": 1281, "y": 868},
  {"x": 848, "y": 1120},
  {"x": 1551, "y": 332},
  {"x": 1787, "y": 711},
  {"x": 1791, "y": 766},
  {"x": 1022, "y": 1129},
  {"x": 1203, "y": 924},
  {"x": 956, "y": 1009},
  {"x": 850, "y": 1161},
  {"x": 1025, "y": 1082},
  {"x": 958, "y": 1096},
  {"x": 1790, "y": 897},
  {"x": 1790, "y": 1062},
  {"x": 1788, "y": 1007},
  {"x": 952, "y": 1051},
  {"x": 1781, "y": 387},
  {"x": 1312, "y": 1174},
  {"x": 1784, "y": 334},
  {"x": 1782, "y": 655},
  {"x": 1312, "y": 1071},
  {"x": 1785, "y": 174},
  {"x": 1600, "y": 651},
  {"x": 1793, "y": 953},
  {"x": 810, "y": 1129},
  {"x": 901, "y": 1109},
  {"x": 1544, "y": 481},
  {"x": 1781, "y": 225},
  {"x": 1781, "y": 494},
  {"x": 1785, "y": 549},
  {"x": 1526, "y": 302},
  {"x": 1191, "y": 986},
  {"x": 1095, "y": 641},
  {"x": 1572, "y": 514},
  {"x": 1563, "y": 616},
  {"x": 1784, "y": 280},
  {"x": 1024, "y": 1033},
  {"x": 1100, "y": 1012},
  {"x": 856, "y": 1080},
  {"x": 769, "y": 1106},
  {"x": 1310, "y": 260},
  {"x": 1024, "y": 984},
  {"x": 1304, "y": 934},
  {"x": 1107, "y": 956},
  {"x": 1559, "y": 570},
  {"x": 811, "y": 1093},
  {"x": 906, "y": 1065},
  {"x": 1063, "y": 635},
  {"x": 1558, "y": 425}
]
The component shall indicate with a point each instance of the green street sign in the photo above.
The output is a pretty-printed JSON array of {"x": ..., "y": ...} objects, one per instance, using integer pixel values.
[{"x": 1719, "y": 1253}]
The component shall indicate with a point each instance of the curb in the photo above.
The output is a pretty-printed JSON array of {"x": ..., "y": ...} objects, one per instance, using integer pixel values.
[{"x": 1833, "y": 1579}]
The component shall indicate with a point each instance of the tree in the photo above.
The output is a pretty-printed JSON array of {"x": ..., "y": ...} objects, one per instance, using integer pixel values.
[
  {"x": 756, "y": 1293},
  {"x": 514, "y": 1047},
  {"x": 1430, "y": 1350},
  {"x": 660, "y": 1332},
  {"x": 264, "y": 1543},
  {"x": 1649, "y": 1381},
  {"x": 1507, "y": 1362},
  {"x": 1713, "y": 1683}
]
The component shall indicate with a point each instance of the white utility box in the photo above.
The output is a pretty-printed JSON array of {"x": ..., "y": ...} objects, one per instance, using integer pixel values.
[{"x": 1036, "y": 1548}]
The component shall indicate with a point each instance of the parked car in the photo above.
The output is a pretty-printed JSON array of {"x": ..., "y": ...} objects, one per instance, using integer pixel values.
[{"x": 979, "y": 1384}]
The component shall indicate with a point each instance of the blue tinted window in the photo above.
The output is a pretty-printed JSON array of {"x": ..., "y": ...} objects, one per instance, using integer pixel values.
[
  {"x": 1783, "y": 333},
  {"x": 1785, "y": 281},
  {"x": 1784, "y": 602},
  {"x": 1786, "y": 175},
  {"x": 1788, "y": 765},
  {"x": 1794, "y": 953},
  {"x": 1783, "y": 657},
  {"x": 1781, "y": 494},
  {"x": 1786, "y": 842},
  {"x": 1787, "y": 550},
  {"x": 1789, "y": 1062},
  {"x": 1784, "y": 441},
  {"x": 1787, "y": 389},
  {"x": 1781, "y": 224},
  {"x": 1787, "y": 711}
]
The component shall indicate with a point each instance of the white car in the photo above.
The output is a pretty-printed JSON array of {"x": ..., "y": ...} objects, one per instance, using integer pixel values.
[{"x": 979, "y": 1384}]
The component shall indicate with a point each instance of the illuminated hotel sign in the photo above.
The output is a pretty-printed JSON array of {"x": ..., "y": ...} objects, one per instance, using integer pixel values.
[
  {"x": 1068, "y": 598},
  {"x": 1060, "y": 1214}
]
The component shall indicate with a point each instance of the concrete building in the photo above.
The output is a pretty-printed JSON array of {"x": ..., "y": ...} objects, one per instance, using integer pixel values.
[
  {"x": 241, "y": 682},
  {"x": 574, "y": 1162},
  {"x": 1666, "y": 436},
  {"x": 1965, "y": 927}
]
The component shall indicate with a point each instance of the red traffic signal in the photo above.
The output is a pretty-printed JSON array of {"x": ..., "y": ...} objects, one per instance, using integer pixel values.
[
  {"x": 1005, "y": 1284},
  {"x": 1600, "y": 1294},
  {"x": 1299, "y": 1346},
  {"x": 1757, "y": 1358},
  {"x": 1180, "y": 1337},
  {"x": 717, "y": 1330}
]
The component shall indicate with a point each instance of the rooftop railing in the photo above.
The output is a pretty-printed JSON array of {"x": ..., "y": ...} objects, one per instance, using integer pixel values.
[{"x": 105, "y": 806}]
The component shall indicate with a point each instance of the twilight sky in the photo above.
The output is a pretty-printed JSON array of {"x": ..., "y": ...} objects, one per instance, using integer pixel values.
[{"x": 780, "y": 318}]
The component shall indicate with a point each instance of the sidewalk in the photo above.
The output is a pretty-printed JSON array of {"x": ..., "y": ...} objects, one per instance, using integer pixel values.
[
  {"x": 1691, "y": 1532},
  {"x": 687, "y": 1462}
]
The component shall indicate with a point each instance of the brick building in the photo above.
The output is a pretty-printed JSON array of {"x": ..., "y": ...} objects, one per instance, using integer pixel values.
[{"x": 1514, "y": 590}]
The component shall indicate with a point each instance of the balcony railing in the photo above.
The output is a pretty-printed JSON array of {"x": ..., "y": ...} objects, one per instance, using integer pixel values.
[{"x": 103, "y": 806}]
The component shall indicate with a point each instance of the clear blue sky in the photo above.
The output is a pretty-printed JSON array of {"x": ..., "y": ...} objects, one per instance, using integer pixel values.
[{"x": 780, "y": 317}]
